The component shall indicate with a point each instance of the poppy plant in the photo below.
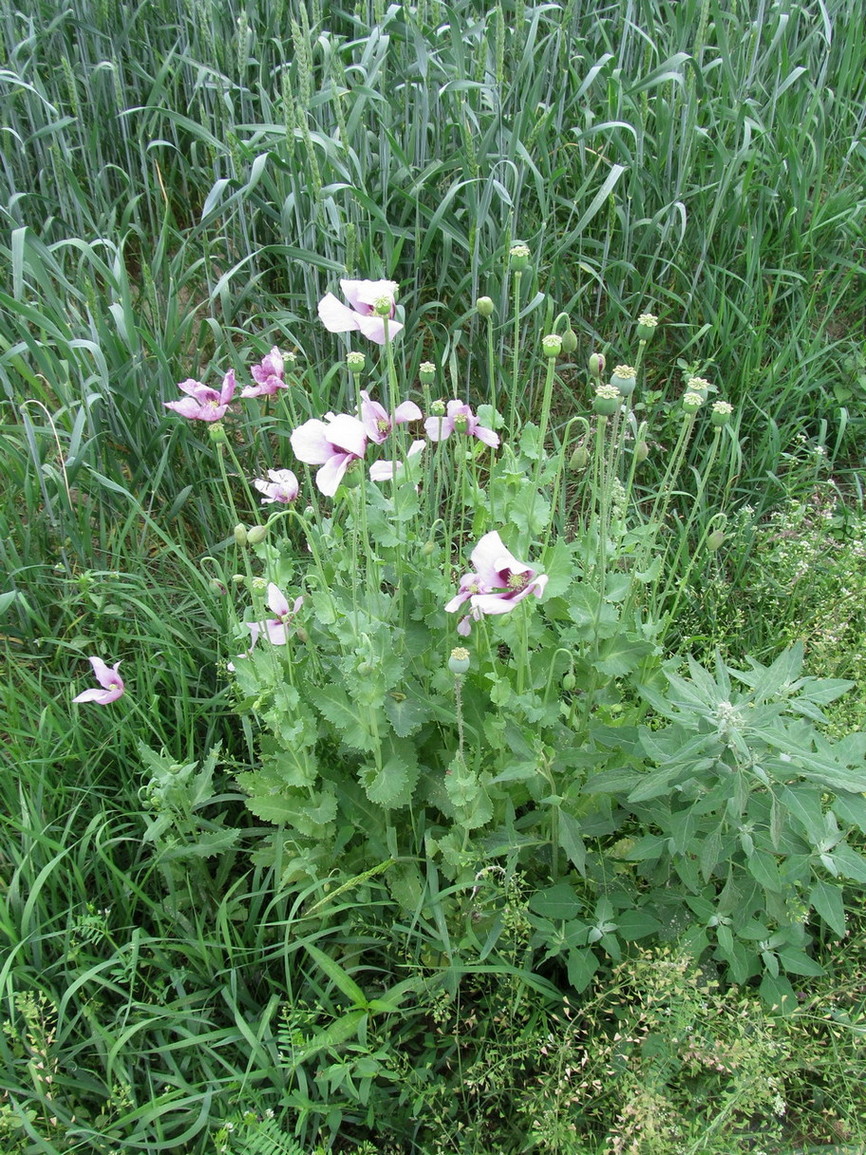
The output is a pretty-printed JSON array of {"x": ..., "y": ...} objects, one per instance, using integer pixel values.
[
  {"x": 110, "y": 681},
  {"x": 281, "y": 486},
  {"x": 378, "y": 423},
  {"x": 268, "y": 376},
  {"x": 201, "y": 402},
  {"x": 459, "y": 418},
  {"x": 333, "y": 444},
  {"x": 362, "y": 314},
  {"x": 497, "y": 584}
]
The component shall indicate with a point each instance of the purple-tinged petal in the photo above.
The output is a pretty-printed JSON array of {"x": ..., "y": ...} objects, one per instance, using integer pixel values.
[
  {"x": 373, "y": 328},
  {"x": 363, "y": 295},
  {"x": 335, "y": 316},
  {"x": 277, "y": 601},
  {"x": 347, "y": 433},
  {"x": 375, "y": 420},
  {"x": 491, "y": 559},
  {"x": 229, "y": 385},
  {"x": 438, "y": 428},
  {"x": 332, "y": 472},
  {"x": 407, "y": 411},
  {"x": 110, "y": 681},
  {"x": 311, "y": 443},
  {"x": 276, "y": 632},
  {"x": 487, "y": 436},
  {"x": 464, "y": 626}
]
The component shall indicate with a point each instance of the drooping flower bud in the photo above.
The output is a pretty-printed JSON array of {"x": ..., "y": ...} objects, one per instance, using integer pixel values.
[
  {"x": 427, "y": 372},
  {"x": 721, "y": 413},
  {"x": 256, "y": 534},
  {"x": 647, "y": 323},
  {"x": 606, "y": 401},
  {"x": 596, "y": 365},
  {"x": 569, "y": 340},
  {"x": 551, "y": 344},
  {"x": 715, "y": 540},
  {"x": 240, "y": 534},
  {"x": 485, "y": 306},
  {"x": 579, "y": 459},
  {"x": 518, "y": 257},
  {"x": 641, "y": 452},
  {"x": 624, "y": 379}
]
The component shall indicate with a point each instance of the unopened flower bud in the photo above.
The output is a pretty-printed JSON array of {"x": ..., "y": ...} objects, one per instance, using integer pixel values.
[
  {"x": 569, "y": 340},
  {"x": 458, "y": 663},
  {"x": 217, "y": 587},
  {"x": 240, "y": 534},
  {"x": 485, "y": 306},
  {"x": 721, "y": 412},
  {"x": 427, "y": 548},
  {"x": 579, "y": 459},
  {"x": 641, "y": 452},
  {"x": 624, "y": 379},
  {"x": 647, "y": 323},
  {"x": 217, "y": 434},
  {"x": 256, "y": 534},
  {"x": 551, "y": 344},
  {"x": 518, "y": 257},
  {"x": 607, "y": 400},
  {"x": 715, "y": 540},
  {"x": 437, "y": 408},
  {"x": 596, "y": 365},
  {"x": 356, "y": 361},
  {"x": 427, "y": 372},
  {"x": 699, "y": 385},
  {"x": 238, "y": 579},
  {"x": 301, "y": 634},
  {"x": 692, "y": 402},
  {"x": 569, "y": 681}
]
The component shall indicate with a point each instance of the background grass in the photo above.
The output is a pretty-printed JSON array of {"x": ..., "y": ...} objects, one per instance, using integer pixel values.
[{"x": 179, "y": 183}]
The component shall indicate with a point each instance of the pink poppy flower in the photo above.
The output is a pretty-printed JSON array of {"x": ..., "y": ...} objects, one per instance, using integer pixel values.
[
  {"x": 386, "y": 470},
  {"x": 334, "y": 444},
  {"x": 360, "y": 315},
  {"x": 268, "y": 376},
  {"x": 498, "y": 583},
  {"x": 109, "y": 679},
  {"x": 460, "y": 418},
  {"x": 282, "y": 486},
  {"x": 201, "y": 402},
  {"x": 275, "y": 628},
  {"x": 377, "y": 422}
]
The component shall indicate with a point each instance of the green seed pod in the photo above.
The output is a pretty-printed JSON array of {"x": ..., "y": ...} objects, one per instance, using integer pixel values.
[
  {"x": 551, "y": 344},
  {"x": 607, "y": 400},
  {"x": 518, "y": 257},
  {"x": 458, "y": 663},
  {"x": 485, "y": 306},
  {"x": 427, "y": 372}
]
